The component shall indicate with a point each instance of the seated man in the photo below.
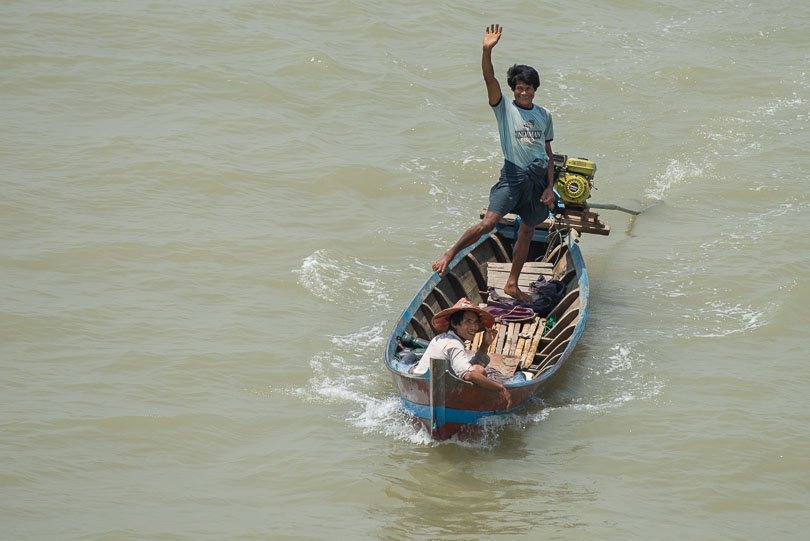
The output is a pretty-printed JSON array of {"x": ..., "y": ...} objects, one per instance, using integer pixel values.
[{"x": 459, "y": 323}]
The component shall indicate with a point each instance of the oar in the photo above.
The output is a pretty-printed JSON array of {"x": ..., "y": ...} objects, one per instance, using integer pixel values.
[
  {"x": 633, "y": 213},
  {"x": 611, "y": 206}
]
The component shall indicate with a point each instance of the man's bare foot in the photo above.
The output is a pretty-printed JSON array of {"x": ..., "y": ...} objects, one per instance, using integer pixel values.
[
  {"x": 514, "y": 291},
  {"x": 441, "y": 264}
]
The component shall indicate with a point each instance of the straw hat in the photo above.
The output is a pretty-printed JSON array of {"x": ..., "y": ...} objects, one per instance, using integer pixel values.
[{"x": 441, "y": 321}]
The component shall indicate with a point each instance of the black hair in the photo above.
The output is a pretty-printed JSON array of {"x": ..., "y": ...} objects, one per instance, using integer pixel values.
[
  {"x": 522, "y": 73},
  {"x": 456, "y": 318}
]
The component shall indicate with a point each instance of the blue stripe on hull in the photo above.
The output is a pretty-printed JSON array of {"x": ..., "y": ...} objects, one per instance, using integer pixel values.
[{"x": 465, "y": 417}]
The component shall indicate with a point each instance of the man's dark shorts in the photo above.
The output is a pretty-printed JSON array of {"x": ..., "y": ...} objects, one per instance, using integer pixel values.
[{"x": 518, "y": 191}]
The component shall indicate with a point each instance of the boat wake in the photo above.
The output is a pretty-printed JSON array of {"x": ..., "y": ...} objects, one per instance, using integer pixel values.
[
  {"x": 627, "y": 368},
  {"x": 717, "y": 318},
  {"x": 330, "y": 278},
  {"x": 676, "y": 172},
  {"x": 352, "y": 380},
  {"x": 717, "y": 286}
]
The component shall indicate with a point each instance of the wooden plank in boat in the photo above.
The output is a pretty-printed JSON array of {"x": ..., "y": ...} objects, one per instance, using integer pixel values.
[
  {"x": 497, "y": 273},
  {"x": 526, "y": 337},
  {"x": 523, "y": 338},
  {"x": 497, "y": 279},
  {"x": 497, "y": 345},
  {"x": 505, "y": 364},
  {"x": 522, "y": 341},
  {"x": 528, "y": 358},
  {"x": 511, "y": 337},
  {"x": 476, "y": 342},
  {"x": 532, "y": 266},
  {"x": 584, "y": 221},
  {"x": 518, "y": 340}
]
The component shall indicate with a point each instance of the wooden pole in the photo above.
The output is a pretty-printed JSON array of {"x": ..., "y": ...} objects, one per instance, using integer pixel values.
[{"x": 438, "y": 370}]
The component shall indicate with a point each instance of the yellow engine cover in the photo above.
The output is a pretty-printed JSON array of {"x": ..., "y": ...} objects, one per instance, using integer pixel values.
[
  {"x": 573, "y": 187},
  {"x": 583, "y": 166}
]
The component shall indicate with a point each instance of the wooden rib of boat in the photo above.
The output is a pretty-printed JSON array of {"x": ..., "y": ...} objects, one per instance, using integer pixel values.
[{"x": 531, "y": 351}]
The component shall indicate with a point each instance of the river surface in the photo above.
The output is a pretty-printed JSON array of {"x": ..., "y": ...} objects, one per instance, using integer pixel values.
[{"x": 212, "y": 213}]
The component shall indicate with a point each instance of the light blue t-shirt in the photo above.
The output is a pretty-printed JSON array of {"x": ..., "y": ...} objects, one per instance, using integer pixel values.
[{"x": 523, "y": 132}]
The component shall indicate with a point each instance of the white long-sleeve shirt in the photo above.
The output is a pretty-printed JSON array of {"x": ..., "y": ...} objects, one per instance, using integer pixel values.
[{"x": 448, "y": 346}]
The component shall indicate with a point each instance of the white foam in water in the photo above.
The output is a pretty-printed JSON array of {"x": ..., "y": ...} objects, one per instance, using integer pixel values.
[
  {"x": 445, "y": 188},
  {"x": 351, "y": 281},
  {"x": 431, "y": 177},
  {"x": 714, "y": 310},
  {"x": 368, "y": 337},
  {"x": 713, "y": 313},
  {"x": 389, "y": 418},
  {"x": 733, "y": 136},
  {"x": 322, "y": 275},
  {"x": 352, "y": 374},
  {"x": 773, "y": 107},
  {"x": 346, "y": 376},
  {"x": 677, "y": 172},
  {"x": 469, "y": 157},
  {"x": 620, "y": 360},
  {"x": 717, "y": 308},
  {"x": 729, "y": 136},
  {"x": 718, "y": 319},
  {"x": 744, "y": 232},
  {"x": 632, "y": 374},
  {"x": 674, "y": 25},
  {"x": 338, "y": 380}
]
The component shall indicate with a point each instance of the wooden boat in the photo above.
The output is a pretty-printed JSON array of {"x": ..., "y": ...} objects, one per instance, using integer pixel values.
[{"x": 531, "y": 351}]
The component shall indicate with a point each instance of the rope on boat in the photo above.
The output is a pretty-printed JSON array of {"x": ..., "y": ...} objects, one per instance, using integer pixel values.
[{"x": 555, "y": 237}]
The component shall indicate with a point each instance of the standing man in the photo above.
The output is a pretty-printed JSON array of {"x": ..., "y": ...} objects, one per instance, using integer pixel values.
[{"x": 526, "y": 179}]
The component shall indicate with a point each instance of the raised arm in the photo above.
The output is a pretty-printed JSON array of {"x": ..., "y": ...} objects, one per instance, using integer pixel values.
[{"x": 491, "y": 36}]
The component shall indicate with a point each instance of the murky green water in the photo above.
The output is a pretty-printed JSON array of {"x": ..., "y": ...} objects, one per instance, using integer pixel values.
[{"x": 213, "y": 213}]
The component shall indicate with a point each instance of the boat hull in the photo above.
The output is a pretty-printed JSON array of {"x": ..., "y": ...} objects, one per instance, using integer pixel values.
[{"x": 447, "y": 406}]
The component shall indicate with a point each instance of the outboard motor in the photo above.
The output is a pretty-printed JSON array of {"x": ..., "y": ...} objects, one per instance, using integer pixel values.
[{"x": 574, "y": 179}]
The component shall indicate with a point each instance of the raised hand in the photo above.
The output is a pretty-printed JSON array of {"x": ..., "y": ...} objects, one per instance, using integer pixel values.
[
  {"x": 489, "y": 336},
  {"x": 491, "y": 35}
]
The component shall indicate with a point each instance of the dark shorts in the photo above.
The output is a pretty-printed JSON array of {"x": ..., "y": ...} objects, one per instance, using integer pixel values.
[{"x": 518, "y": 191}]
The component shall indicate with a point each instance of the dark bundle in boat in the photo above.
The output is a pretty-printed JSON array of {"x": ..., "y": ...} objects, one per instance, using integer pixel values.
[{"x": 527, "y": 352}]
